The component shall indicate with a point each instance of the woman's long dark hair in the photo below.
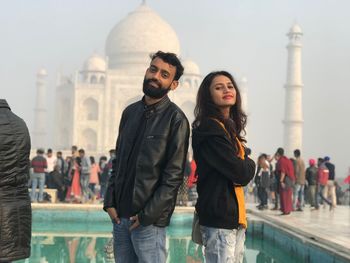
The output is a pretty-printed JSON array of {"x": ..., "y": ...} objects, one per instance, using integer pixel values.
[{"x": 205, "y": 107}]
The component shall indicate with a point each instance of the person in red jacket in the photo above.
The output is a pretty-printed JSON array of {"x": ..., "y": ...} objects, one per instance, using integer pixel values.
[
  {"x": 322, "y": 179},
  {"x": 192, "y": 184},
  {"x": 39, "y": 165},
  {"x": 285, "y": 171},
  {"x": 192, "y": 178}
]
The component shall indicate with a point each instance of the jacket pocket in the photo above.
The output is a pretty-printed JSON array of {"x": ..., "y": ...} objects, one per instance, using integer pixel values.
[{"x": 155, "y": 137}]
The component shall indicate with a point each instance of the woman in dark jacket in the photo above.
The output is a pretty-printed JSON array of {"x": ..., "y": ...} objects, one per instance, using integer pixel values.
[
  {"x": 222, "y": 167},
  {"x": 15, "y": 208}
]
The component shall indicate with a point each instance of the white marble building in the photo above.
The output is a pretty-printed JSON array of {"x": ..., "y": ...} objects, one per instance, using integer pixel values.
[{"x": 89, "y": 105}]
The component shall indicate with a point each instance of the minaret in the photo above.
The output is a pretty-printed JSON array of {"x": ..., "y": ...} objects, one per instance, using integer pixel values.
[
  {"x": 40, "y": 112},
  {"x": 293, "y": 115}
]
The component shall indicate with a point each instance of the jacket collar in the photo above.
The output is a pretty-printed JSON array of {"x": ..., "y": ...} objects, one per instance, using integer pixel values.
[
  {"x": 4, "y": 104},
  {"x": 157, "y": 107}
]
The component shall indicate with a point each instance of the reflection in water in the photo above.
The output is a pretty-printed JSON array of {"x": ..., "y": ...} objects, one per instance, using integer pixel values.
[
  {"x": 184, "y": 250},
  {"x": 56, "y": 249},
  {"x": 68, "y": 250},
  {"x": 66, "y": 246},
  {"x": 95, "y": 249},
  {"x": 263, "y": 258},
  {"x": 109, "y": 250}
]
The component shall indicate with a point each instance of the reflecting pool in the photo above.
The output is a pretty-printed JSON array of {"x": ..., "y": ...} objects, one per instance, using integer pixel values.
[{"x": 88, "y": 239}]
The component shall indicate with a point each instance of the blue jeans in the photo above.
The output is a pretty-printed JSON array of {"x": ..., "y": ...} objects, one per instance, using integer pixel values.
[
  {"x": 298, "y": 195},
  {"x": 37, "y": 177},
  {"x": 143, "y": 244},
  {"x": 223, "y": 245}
]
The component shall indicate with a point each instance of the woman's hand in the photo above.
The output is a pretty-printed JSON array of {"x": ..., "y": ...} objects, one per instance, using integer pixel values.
[{"x": 136, "y": 222}]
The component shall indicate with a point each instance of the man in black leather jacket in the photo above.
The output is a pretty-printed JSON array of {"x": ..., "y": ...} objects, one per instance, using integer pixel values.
[
  {"x": 15, "y": 208},
  {"x": 151, "y": 152}
]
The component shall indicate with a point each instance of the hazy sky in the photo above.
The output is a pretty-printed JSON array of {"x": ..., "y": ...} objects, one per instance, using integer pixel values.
[{"x": 246, "y": 37}]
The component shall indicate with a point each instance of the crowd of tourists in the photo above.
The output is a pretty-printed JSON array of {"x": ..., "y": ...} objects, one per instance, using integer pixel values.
[
  {"x": 77, "y": 178},
  {"x": 289, "y": 185},
  {"x": 80, "y": 179}
]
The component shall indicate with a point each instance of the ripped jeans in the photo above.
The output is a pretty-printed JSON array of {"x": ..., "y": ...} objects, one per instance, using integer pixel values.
[{"x": 223, "y": 245}]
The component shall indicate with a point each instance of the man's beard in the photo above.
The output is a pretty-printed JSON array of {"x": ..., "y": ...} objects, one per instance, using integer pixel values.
[{"x": 154, "y": 92}]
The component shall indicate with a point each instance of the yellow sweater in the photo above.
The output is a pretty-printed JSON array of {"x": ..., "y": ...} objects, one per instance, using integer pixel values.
[{"x": 242, "y": 218}]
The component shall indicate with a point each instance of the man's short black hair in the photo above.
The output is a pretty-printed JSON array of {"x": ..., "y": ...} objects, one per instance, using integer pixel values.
[
  {"x": 104, "y": 158},
  {"x": 112, "y": 151},
  {"x": 297, "y": 153},
  {"x": 40, "y": 151},
  {"x": 171, "y": 59},
  {"x": 280, "y": 151},
  {"x": 81, "y": 151},
  {"x": 49, "y": 150}
]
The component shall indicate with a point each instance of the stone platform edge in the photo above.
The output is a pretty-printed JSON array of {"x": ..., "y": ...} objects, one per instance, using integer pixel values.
[{"x": 308, "y": 237}]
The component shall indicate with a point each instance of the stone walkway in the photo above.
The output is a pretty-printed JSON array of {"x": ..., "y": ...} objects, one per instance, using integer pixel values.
[{"x": 329, "y": 228}]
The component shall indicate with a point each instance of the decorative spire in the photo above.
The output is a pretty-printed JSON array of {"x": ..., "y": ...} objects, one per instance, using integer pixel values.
[{"x": 143, "y": 2}]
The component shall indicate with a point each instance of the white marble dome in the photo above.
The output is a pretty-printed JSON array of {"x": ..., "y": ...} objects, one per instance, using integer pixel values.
[
  {"x": 191, "y": 68},
  {"x": 95, "y": 63},
  {"x": 295, "y": 29},
  {"x": 139, "y": 34}
]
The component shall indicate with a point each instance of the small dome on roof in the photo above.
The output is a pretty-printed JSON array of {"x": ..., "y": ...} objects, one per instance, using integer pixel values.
[
  {"x": 191, "y": 68},
  {"x": 95, "y": 63},
  {"x": 295, "y": 29}
]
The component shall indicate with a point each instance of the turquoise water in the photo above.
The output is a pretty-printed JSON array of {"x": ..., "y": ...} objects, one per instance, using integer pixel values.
[
  {"x": 57, "y": 249},
  {"x": 78, "y": 238}
]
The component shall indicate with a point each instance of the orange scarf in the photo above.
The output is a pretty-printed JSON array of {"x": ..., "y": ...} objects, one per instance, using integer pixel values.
[{"x": 242, "y": 218}]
